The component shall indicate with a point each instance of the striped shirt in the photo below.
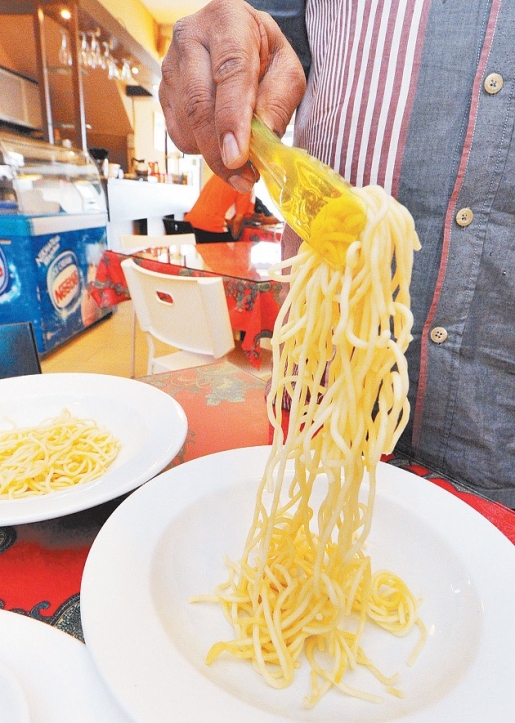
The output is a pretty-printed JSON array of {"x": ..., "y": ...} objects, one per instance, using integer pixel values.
[
  {"x": 419, "y": 96},
  {"x": 366, "y": 56}
]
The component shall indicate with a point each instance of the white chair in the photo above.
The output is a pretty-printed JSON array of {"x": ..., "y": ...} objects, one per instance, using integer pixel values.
[
  {"x": 188, "y": 313},
  {"x": 137, "y": 242}
]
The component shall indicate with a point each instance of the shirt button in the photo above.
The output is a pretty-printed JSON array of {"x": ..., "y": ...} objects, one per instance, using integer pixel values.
[
  {"x": 438, "y": 334},
  {"x": 493, "y": 83},
  {"x": 464, "y": 217}
]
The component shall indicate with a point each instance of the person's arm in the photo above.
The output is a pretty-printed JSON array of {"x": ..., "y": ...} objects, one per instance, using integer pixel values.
[
  {"x": 235, "y": 225},
  {"x": 243, "y": 206},
  {"x": 225, "y": 63}
]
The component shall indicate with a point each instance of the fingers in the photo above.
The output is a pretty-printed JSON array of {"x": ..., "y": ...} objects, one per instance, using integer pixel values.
[{"x": 225, "y": 63}]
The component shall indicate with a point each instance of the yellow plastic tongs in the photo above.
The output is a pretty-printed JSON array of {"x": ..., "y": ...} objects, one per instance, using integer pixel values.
[{"x": 315, "y": 201}]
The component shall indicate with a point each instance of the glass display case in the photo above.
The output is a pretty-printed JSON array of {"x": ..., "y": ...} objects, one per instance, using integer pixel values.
[
  {"x": 53, "y": 223},
  {"x": 38, "y": 178}
]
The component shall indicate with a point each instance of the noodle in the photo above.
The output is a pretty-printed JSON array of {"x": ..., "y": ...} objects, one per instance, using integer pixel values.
[
  {"x": 56, "y": 454},
  {"x": 304, "y": 584}
]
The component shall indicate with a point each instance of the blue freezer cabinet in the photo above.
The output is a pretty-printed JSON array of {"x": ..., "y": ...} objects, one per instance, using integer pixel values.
[{"x": 46, "y": 263}]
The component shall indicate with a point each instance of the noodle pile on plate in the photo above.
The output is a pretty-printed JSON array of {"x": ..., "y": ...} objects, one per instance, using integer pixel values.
[
  {"x": 58, "y": 453},
  {"x": 304, "y": 584}
]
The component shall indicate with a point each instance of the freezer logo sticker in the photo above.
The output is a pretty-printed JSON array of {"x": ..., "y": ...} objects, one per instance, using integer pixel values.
[
  {"x": 4, "y": 272},
  {"x": 48, "y": 250},
  {"x": 63, "y": 282}
]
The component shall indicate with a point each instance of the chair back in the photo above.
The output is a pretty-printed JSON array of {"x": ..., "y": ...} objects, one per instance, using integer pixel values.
[
  {"x": 178, "y": 245},
  {"x": 189, "y": 313},
  {"x": 180, "y": 239},
  {"x": 18, "y": 351}
]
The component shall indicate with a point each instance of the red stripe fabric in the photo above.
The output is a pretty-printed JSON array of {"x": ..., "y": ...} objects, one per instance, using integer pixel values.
[{"x": 361, "y": 85}]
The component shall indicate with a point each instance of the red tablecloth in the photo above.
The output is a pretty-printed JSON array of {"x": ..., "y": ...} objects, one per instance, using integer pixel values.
[
  {"x": 41, "y": 563},
  {"x": 253, "y": 304}
]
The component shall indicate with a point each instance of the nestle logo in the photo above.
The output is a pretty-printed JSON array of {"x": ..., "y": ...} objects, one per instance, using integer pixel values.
[{"x": 63, "y": 281}]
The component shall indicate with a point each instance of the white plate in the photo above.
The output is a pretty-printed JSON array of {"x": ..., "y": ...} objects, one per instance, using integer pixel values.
[
  {"x": 15, "y": 708},
  {"x": 150, "y": 425},
  {"x": 51, "y": 676},
  {"x": 166, "y": 542}
]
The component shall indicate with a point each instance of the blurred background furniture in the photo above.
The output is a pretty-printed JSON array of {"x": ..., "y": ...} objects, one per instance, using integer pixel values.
[
  {"x": 137, "y": 242},
  {"x": 253, "y": 298},
  {"x": 18, "y": 350},
  {"x": 187, "y": 313}
]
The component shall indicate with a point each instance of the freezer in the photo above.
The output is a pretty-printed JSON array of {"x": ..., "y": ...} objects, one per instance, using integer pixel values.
[{"x": 53, "y": 221}]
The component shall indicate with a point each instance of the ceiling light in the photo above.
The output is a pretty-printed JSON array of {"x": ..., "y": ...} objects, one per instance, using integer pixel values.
[{"x": 66, "y": 14}]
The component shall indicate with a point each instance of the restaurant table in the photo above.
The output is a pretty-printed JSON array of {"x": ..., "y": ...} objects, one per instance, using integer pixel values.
[
  {"x": 41, "y": 563},
  {"x": 253, "y": 299}
]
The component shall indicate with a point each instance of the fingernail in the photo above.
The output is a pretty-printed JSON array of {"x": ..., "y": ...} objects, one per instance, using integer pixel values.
[
  {"x": 230, "y": 149},
  {"x": 241, "y": 184}
]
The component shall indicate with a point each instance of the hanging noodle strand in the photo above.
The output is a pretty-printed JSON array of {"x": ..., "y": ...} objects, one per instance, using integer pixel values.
[{"x": 304, "y": 585}]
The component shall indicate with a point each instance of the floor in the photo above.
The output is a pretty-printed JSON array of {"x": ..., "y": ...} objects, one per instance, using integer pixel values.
[{"x": 105, "y": 348}]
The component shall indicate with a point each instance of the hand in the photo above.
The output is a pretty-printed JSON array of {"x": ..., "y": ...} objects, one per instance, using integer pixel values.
[{"x": 225, "y": 63}]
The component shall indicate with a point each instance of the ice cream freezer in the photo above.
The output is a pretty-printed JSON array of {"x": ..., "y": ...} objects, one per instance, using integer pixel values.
[{"x": 53, "y": 222}]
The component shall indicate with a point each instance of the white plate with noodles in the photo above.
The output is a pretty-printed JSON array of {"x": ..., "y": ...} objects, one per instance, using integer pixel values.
[
  {"x": 47, "y": 676},
  {"x": 147, "y": 427},
  {"x": 166, "y": 543}
]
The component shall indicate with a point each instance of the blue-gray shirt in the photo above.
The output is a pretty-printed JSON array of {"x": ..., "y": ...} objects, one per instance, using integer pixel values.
[
  {"x": 455, "y": 171},
  {"x": 458, "y": 180}
]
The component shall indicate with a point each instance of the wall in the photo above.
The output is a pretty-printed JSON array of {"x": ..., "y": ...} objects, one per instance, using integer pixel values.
[
  {"x": 122, "y": 124},
  {"x": 15, "y": 52},
  {"x": 114, "y": 118},
  {"x": 140, "y": 111},
  {"x": 136, "y": 19}
]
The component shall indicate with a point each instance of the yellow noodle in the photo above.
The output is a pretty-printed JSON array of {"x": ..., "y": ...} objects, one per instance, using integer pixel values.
[
  {"x": 58, "y": 453},
  {"x": 304, "y": 583}
]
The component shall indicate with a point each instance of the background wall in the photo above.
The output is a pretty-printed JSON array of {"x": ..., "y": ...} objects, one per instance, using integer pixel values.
[
  {"x": 124, "y": 125},
  {"x": 136, "y": 19}
]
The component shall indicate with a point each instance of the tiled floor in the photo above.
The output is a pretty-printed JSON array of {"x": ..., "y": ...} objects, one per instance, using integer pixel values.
[{"x": 106, "y": 349}]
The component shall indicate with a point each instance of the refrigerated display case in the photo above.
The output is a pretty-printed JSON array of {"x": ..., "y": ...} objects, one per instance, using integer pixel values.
[{"x": 53, "y": 221}]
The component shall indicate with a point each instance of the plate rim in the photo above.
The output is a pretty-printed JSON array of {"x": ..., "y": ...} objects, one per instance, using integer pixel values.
[
  {"x": 34, "y": 635},
  {"x": 109, "y": 544},
  {"x": 82, "y": 497}
]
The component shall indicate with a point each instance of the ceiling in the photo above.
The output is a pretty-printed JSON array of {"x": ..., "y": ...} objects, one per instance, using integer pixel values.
[{"x": 166, "y": 12}]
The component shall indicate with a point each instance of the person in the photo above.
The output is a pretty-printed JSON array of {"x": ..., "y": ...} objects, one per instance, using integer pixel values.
[
  {"x": 416, "y": 97},
  {"x": 219, "y": 212}
]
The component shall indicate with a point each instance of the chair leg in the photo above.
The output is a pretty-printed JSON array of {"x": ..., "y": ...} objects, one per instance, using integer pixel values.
[
  {"x": 133, "y": 340},
  {"x": 151, "y": 354}
]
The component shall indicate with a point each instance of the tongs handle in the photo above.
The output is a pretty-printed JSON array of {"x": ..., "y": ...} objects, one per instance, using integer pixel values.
[{"x": 315, "y": 201}]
